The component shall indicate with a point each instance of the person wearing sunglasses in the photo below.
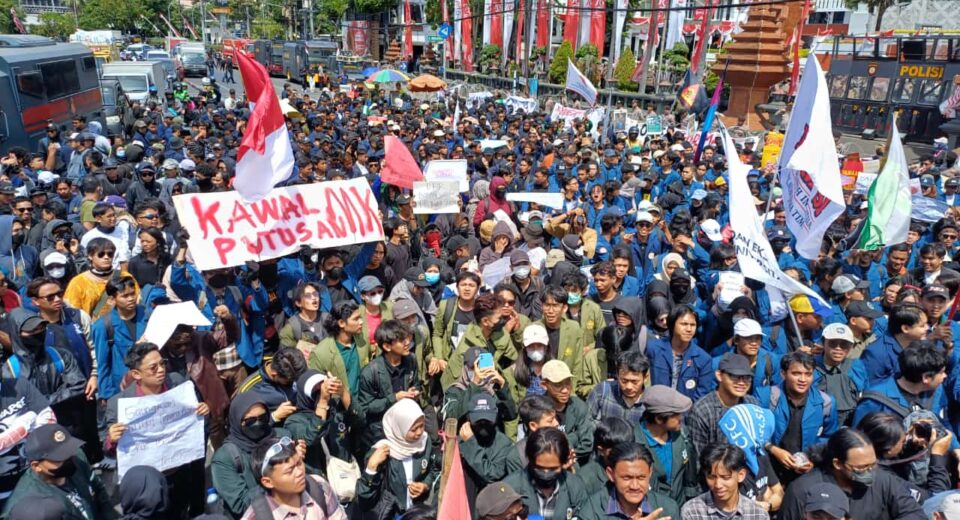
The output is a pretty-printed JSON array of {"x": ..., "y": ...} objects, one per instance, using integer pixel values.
[
  {"x": 149, "y": 375},
  {"x": 87, "y": 291},
  {"x": 287, "y": 486}
]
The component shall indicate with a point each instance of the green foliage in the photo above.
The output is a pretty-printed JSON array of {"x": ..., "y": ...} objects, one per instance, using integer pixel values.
[
  {"x": 587, "y": 50},
  {"x": 6, "y": 21},
  {"x": 122, "y": 15},
  {"x": 624, "y": 69},
  {"x": 55, "y": 25},
  {"x": 374, "y": 6},
  {"x": 326, "y": 20},
  {"x": 558, "y": 67},
  {"x": 490, "y": 57},
  {"x": 433, "y": 12},
  {"x": 267, "y": 28},
  {"x": 678, "y": 56}
]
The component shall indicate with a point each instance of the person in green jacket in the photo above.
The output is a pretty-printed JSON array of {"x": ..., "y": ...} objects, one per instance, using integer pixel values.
[
  {"x": 565, "y": 337},
  {"x": 571, "y": 410},
  {"x": 59, "y": 470},
  {"x": 674, "y": 455},
  {"x": 454, "y": 317},
  {"x": 628, "y": 494},
  {"x": 384, "y": 489},
  {"x": 485, "y": 450},
  {"x": 609, "y": 432},
  {"x": 307, "y": 324},
  {"x": 339, "y": 353},
  {"x": 486, "y": 332},
  {"x": 473, "y": 381},
  {"x": 582, "y": 310},
  {"x": 320, "y": 417},
  {"x": 548, "y": 477},
  {"x": 232, "y": 476}
]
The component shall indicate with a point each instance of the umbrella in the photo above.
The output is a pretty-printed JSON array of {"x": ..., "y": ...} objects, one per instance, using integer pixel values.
[
  {"x": 369, "y": 71},
  {"x": 387, "y": 76},
  {"x": 427, "y": 83}
]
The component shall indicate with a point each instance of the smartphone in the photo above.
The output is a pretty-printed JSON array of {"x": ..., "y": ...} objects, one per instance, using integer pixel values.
[{"x": 485, "y": 360}]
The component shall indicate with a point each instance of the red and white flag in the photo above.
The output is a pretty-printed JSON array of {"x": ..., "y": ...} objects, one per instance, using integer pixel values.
[
  {"x": 265, "y": 156},
  {"x": 454, "y": 503}
]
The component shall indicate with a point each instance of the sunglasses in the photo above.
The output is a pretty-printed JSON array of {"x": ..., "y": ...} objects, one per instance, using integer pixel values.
[
  {"x": 23, "y": 210},
  {"x": 150, "y": 216},
  {"x": 273, "y": 451},
  {"x": 105, "y": 254},
  {"x": 52, "y": 297},
  {"x": 154, "y": 368}
]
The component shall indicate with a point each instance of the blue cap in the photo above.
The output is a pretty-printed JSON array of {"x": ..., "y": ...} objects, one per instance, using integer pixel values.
[{"x": 368, "y": 283}]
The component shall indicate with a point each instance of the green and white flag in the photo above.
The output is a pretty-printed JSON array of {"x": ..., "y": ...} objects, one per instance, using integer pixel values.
[{"x": 888, "y": 202}]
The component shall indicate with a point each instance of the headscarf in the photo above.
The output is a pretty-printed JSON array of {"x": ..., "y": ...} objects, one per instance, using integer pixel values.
[
  {"x": 750, "y": 428},
  {"x": 144, "y": 494},
  {"x": 307, "y": 384},
  {"x": 657, "y": 305},
  {"x": 667, "y": 258},
  {"x": 242, "y": 404},
  {"x": 396, "y": 423}
]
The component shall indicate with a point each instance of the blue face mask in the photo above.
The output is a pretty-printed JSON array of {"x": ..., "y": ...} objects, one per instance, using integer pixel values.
[
  {"x": 431, "y": 278},
  {"x": 574, "y": 298}
]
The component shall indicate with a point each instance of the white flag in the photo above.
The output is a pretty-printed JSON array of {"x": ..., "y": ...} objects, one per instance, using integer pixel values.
[
  {"x": 579, "y": 83},
  {"x": 754, "y": 254},
  {"x": 508, "y": 7},
  {"x": 618, "y": 20},
  {"x": 809, "y": 170}
]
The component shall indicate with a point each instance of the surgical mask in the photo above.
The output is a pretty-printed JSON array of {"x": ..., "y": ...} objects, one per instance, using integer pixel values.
[
  {"x": 521, "y": 273},
  {"x": 573, "y": 298},
  {"x": 57, "y": 272},
  {"x": 862, "y": 478},
  {"x": 536, "y": 355},
  {"x": 375, "y": 299},
  {"x": 579, "y": 251},
  {"x": 431, "y": 278},
  {"x": 121, "y": 153},
  {"x": 544, "y": 478}
]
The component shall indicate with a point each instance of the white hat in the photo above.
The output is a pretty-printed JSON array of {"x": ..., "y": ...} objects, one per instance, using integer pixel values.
[
  {"x": 711, "y": 228},
  {"x": 535, "y": 333},
  {"x": 838, "y": 331},
  {"x": 950, "y": 506},
  {"x": 644, "y": 216},
  {"x": 747, "y": 327},
  {"x": 54, "y": 259},
  {"x": 438, "y": 133},
  {"x": 47, "y": 177},
  {"x": 312, "y": 383}
]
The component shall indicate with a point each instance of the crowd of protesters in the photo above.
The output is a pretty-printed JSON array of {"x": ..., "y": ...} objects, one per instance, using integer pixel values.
[{"x": 621, "y": 369}]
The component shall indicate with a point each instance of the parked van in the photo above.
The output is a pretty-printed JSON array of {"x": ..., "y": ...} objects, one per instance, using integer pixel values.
[{"x": 136, "y": 78}]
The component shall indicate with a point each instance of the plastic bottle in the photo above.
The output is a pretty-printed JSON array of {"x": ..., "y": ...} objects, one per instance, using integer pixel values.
[{"x": 214, "y": 502}]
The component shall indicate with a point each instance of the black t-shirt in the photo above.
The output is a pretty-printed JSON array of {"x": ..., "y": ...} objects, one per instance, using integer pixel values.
[
  {"x": 553, "y": 336},
  {"x": 754, "y": 486},
  {"x": 461, "y": 320},
  {"x": 793, "y": 438},
  {"x": 607, "y": 308},
  {"x": 338, "y": 293}
]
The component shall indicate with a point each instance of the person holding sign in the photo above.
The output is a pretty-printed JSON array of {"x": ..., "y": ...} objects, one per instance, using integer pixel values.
[{"x": 148, "y": 370}]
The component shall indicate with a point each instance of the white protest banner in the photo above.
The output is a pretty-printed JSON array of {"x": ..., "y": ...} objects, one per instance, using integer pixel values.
[
  {"x": 754, "y": 254},
  {"x": 224, "y": 231},
  {"x": 495, "y": 272},
  {"x": 436, "y": 197},
  {"x": 567, "y": 114},
  {"x": 163, "y": 430},
  {"x": 165, "y": 319},
  {"x": 478, "y": 96},
  {"x": 864, "y": 180},
  {"x": 871, "y": 165},
  {"x": 595, "y": 116},
  {"x": 551, "y": 200},
  {"x": 809, "y": 171},
  {"x": 491, "y": 144},
  {"x": 731, "y": 285},
  {"x": 926, "y": 209},
  {"x": 452, "y": 170},
  {"x": 515, "y": 103}
]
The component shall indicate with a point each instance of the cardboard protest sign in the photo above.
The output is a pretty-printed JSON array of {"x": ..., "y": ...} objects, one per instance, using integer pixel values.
[
  {"x": 452, "y": 170},
  {"x": 224, "y": 231},
  {"x": 163, "y": 430},
  {"x": 864, "y": 181},
  {"x": 436, "y": 197}
]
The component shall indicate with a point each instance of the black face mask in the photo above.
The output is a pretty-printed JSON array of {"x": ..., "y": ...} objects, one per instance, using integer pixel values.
[
  {"x": 18, "y": 239},
  {"x": 219, "y": 281},
  {"x": 485, "y": 432},
  {"x": 499, "y": 324},
  {"x": 68, "y": 468},
  {"x": 679, "y": 289},
  {"x": 258, "y": 429},
  {"x": 35, "y": 341},
  {"x": 501, "y": 193},
  {"x": 335, "y": 274},
  {"x": 204, "y": 183},
  {"x": 105, "y": 229},
  {"x": 544, "y": 478}
]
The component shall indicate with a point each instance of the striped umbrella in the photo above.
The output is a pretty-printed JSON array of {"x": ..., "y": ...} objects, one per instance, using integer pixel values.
[{"x": 387, "y": 76}]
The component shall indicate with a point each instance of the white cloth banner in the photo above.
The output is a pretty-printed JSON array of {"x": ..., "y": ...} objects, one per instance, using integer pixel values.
[
  {"x": 619, "y": 17},
  {"x": 163, "y": 431},
  {"x": 457, "y": 32},
  {"x": 454, "y": 170},
  {"x": 809, "y": 170},
  {"x": 436, "y": 197},
  {"x": 508, "y": 6},
  {"x": 754, "y": 254},
  {"x": 478, "y": 96},
  {"x": 487, "y": 8},
  {"x": 675, "y": 24},
  {"x": 567, "y": 114},
  {"x": 580, "y": 84},
  {"x": 551, "y": 200},
  {"x": 520, "y": 103}
]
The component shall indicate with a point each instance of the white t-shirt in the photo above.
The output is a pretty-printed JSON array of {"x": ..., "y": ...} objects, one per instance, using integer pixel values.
[{"x": 119, "y": 237}]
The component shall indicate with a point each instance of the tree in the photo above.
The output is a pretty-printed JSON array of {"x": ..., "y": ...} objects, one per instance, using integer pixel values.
[
  {"x": 490, "y": 57},
  {"x": 876, "y": 7},
  {"x": 6, "y": 21},
  {"x": 558, "y": 67},
  {"x": 55, "y": 25},
  {"x": 120, "y": 15},
  {"x": 624, "y": 70},
  {"x": 330, "y": 13}
]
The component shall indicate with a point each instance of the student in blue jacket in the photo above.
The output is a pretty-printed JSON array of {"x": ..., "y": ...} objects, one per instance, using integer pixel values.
[
  {"x": 906, "y": 324},
  {"x": 676, "y": 360}
]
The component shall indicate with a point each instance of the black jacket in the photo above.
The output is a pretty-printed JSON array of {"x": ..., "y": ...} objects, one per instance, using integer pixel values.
[{"x": 886, "y": 499}]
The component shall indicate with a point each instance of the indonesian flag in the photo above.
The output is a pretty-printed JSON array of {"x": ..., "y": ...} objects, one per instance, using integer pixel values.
[
  {"x": 454, "y": 503},
  {"x": 265, "y": 156}
]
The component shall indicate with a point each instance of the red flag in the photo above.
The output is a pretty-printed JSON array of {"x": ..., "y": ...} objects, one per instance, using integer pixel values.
[
  {"x": 454, "y": 503},
  {"x": 798, "y": 42},
  {"x": 496, "y": 23},
  {"x": 543, "y": 22},
  {"x": 407, "y": 31},
  {"x": 571, "y": 23},
  {"x": 399, "y": 168},
  {"x": 653, "y": 34},
  {"x": 265, "y": 155},
  {"x": 467, "y": 26},
  {"x": 598, "y": 23},
  {"x": 703, "y": 33}
]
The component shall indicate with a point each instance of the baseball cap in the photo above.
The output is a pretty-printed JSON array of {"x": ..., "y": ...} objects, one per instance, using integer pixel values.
[
  {"x": 747, "y": 327},
  {"x": 778, "y": 233},
  {"x": 496, "y": 499},
  {"x": 416, "y": 276},
  {"x": 404, "y": 309},
  {"x": 535, "y": 333},
  {"x": 950, "y": 506},
  {"x": 846, "y": 283},
  {"x": 51, "y": 442},
  {"x": 403, "y": 198},
  {"x": 55, "y": 259},
  {"x": 838, "y": 331},
  {"x": 936, "y": 290},
  {"x": 953, "y": 182},
  {"x": 483, "y": 407},
  {"x": 661, "y": 399},
  {"x": 711, "y": 228},
  {"x": 699, "y": 194},
  {"x": 927, "y": 180},
  {"x": 720, "y": 181},
  {"x": 860, "y": 308},
  {"x": 804, "y": 304},
  {"x": 644, "y": 216},
  {"x": 518, "y": 257},
  {"x": 368, "y": 283},
  {"x": 555, "y": 371},
  {"x": 735, "y": 365},
  {"x": 827, "y": 498},
  {"x": 33, "y": 323}
]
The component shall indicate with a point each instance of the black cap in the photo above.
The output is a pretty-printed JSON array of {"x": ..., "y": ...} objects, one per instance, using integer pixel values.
[
  {"x": 416, "y": 276},
  {"x": 51, "y": 442},
  {"x": 934, "y": 290},
  {"x": 735, "y": 365},
  {"x": 860, "y": 308},
  {"x": 483, "y": 407},
  {"x": 828, "y": 498},
  {"x": 778, "y": 233}
]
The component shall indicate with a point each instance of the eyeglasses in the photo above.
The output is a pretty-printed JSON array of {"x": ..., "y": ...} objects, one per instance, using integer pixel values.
[
  {"x": 739, "y": 379},
  {"x": 948, "y": 237},
  {"x": 22, "y": 210},
  {"x": 52, "y": 297},
  {"x": 273, "y": 451},
  {"x": 104, "y": 254},
  {"x": 155, "y": 367},
  {"x": 150, "y": 216},
  {"x": 645, "y": 224}
]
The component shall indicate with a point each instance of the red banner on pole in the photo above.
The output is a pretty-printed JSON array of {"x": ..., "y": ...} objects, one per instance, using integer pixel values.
[
  {"x": 702, "y": 16},
  {"x": 797, "y": 43},
  {"x": 598, "y": 23},
  {"x": 571, "y": 22},
  {"x": 467, "y": 28},
  {"x": 407, "y": 31},
  {"x": 543, "y": 23}
]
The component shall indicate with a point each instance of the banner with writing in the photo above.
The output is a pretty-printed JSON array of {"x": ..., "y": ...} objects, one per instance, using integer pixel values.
[
  {"x": 453, "y": 170},
  {"x": 224, "y": 231},
  {"x": 551, "y": 200},
  {"x": 515, "y": 103},
  {"x": 163, "y": 430},
  {"x": 654, "y": 125},
  {"x": 567, "y": 114},
  {"x": 433, "y": 197}
]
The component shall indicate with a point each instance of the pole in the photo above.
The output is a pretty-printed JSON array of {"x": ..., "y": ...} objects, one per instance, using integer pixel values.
[
  {"x": 203, "y": 21},
  {"x": 444, "y": 44},
  {"x": 793, "y": 319},
  {"x": 663, "y": 49}
]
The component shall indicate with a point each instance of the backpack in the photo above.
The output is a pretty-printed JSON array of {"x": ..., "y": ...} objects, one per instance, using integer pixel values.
[
  {"x": 13, "y": 362},
  {"x": 893, "y": 405},
  {"x": 775, "y": 394},
  {"x": 262, "y": 511},
  {"x": 98, "y": 308}
]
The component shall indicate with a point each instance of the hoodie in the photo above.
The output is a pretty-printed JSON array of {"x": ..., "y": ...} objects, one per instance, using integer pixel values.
[
  {"x": 18, "y": 264},
  {"x": 492, "y": 203},
  {"x": 140, "y": 191},
  {"x": 488, "y": 255}
]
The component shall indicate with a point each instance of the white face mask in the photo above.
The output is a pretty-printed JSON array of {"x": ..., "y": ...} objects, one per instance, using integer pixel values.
[
  {"x": 375, "y": 299},
  {"x": 57, "y": 272},
  {"x": 521, "y": 273},
  {"x": 536, "y": 355},
  {"x": 579, "y": 251}
]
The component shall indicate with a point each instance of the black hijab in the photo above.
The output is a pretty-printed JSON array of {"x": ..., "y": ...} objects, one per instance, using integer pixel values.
[
  {"x": 240, "y": 405},
  {"x": 306, "y": 401},
  {"x": 144, "y": 494}
]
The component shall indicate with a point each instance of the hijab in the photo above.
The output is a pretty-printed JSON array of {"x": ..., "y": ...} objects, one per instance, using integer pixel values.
[
  {"x": 308, "y": 384},
  {"x": 665, "y": 261},
  {"x": 144, "y": 494},
  {"x": 242, "y": 404},
  {"x": 396, "y": 423}
]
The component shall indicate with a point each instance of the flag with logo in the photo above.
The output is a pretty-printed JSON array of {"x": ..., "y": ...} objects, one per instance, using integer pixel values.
[
  {"x": 580, "y": 84},
  {"x": 889, "y": 201},
  {"x": 265, "y": 155}
]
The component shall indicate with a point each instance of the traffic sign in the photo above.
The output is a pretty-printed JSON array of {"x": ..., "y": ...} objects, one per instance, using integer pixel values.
[
  {"x": 434, "y": 39},
  {"x": 444, "y": 30}
]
